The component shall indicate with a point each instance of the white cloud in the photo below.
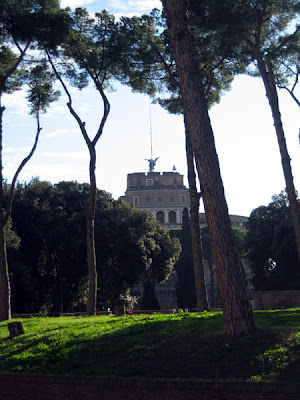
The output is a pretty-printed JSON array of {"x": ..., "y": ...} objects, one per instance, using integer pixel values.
[
  {"x": 118, "y": 4},
  {"x": 145, "y": 5},
  {"x": 74, "y": 3},
  {"x": 55, "y": 172},
  {"x": 131, "y": 14},
  {"x": 56, "y": 109},
  {"x": 10, "y": 149},
  {"x": 57, "y": 132},
  {"x": 75, "y": 155},
  {"x": 13, "y": 154},
  {"x": 134, "y": 6},
  {"x": 16, "y": 101},
  {"x": 12, "y": 158}
]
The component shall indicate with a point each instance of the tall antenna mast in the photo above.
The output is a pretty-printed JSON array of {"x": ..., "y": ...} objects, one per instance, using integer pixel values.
[
  {"x": 152, "y": 162},
  {"x": 151, "y": 133}
]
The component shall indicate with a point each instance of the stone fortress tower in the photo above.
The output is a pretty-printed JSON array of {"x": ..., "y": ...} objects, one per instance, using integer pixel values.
[{"x": 163, "y": 194}]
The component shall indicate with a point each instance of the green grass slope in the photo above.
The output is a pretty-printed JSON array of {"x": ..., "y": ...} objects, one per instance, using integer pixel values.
[{"x": 187, "y": 345}]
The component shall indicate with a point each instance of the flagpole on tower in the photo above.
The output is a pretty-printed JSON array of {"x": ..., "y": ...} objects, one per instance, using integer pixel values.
[
  {"x": 151, "y": 161},
  {"x": 151, "y": 155}
]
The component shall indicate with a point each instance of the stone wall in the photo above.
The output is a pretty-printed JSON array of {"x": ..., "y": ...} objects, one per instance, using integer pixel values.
[
  {"x": 237, "y": 221},
  {"x": 43, "y": 387},
  {"x": 272, "y": 300}
]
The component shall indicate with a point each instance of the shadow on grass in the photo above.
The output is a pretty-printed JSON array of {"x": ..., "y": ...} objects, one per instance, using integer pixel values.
[
  {"x": 84, "y": 350},
  {"x": 189, "y": 345}
]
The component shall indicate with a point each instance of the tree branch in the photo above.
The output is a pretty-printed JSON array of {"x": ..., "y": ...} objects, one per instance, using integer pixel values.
[
  {"x": 21, "y": 166},
  {"x": 284, "y": 42},
  {"x": 99, "y": 85},
  {"x": 69, "y": 104},
  {"x": 291, "y": 93},
  {"x": 106, "y": 106},
  {"x": 14, "y": 67}
]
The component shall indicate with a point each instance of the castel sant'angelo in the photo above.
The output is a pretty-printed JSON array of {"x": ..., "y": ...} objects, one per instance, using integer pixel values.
[{"x": 165, "y": 196}]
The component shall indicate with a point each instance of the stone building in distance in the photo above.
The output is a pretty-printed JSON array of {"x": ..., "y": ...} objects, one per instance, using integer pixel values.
[{"x": 165, "y": 196}]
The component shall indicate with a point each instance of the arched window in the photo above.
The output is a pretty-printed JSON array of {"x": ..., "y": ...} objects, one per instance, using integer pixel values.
[
  {"x": 172, "y": 217},
  {"x": 160, "y": 217}
]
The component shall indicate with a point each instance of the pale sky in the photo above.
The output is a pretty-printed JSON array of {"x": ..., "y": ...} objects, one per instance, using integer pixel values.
[{"x": 242, "y": 123}]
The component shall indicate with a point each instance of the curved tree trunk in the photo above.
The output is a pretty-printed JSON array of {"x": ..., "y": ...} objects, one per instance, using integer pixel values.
[
  {"x": 90, "y": 212},
  {"x": 271, "y": 93},
  {"x": 237, "y": 311},
  {"x": 5, "y": 311},
  {"x": 201, "y": 295},
  {"x": 5, "y": 292}
]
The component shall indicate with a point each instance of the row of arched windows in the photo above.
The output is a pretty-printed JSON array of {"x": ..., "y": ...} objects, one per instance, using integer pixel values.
[{"x": 160, "y": 217}]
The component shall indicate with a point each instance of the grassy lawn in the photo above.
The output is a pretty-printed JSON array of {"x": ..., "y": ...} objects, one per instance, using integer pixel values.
[{"x": 187, "y": 345}]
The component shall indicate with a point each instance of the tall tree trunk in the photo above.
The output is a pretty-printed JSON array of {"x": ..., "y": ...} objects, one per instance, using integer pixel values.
[
  {"x": 90, "y": 212},
  {"x": 238, "y": 317},
  {"x": 5, "y": 294},
  {"x": 201, "y": 295},
  {"x": 272, "y": 95},
  {"x": 90, "y": 236},
  {"x": 212, "y": 285},
  {"x": 5, "y": 310}
]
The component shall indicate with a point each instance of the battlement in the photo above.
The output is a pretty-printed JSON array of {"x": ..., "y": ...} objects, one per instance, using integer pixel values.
[{"x": 139, "y": 180}]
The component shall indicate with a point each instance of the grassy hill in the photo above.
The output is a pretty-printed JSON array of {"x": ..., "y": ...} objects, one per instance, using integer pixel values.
[{"x": 186, "y": 345}]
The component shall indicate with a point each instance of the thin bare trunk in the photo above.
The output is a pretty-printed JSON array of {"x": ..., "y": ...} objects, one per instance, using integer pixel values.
[
  {"x": 5, "y": 307},
  {"x": 266, "y": 72},
  {"x": 5, "y": 310},
  {"x": 90, "y": 236},
  {"x": 237, "y": 311},
  {"x": 91, "y": 208},
  {"x": 5, "y": 292},
  {"x": 21, "y": 166},
  {"x": 201, "y": 295}
]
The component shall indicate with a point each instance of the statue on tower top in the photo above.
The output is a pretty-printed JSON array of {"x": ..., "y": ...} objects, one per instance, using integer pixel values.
[{"x": 152, "y": 163}]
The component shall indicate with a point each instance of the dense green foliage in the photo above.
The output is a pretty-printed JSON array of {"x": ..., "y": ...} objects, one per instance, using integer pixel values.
[
  {"x": 220, "y": 58},
  {"x": 271, "y": 248},
  {"x": 245, "y": 28},
  {"x": 26, "y": 25},
  {"x": 40, "y": 93},
  {"x": 185, "y": 345},
  {"x": 49, "y": 271}
]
